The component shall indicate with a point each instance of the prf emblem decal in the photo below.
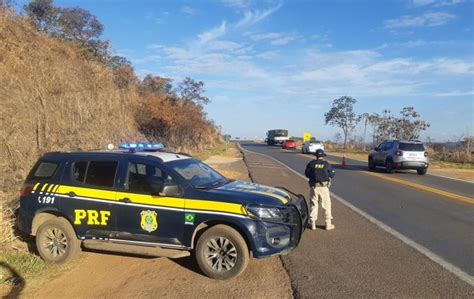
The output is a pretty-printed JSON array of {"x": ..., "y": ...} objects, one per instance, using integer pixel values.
[
  {"x": 189, "y": 218},
  {"x": 148, "y": 221}
]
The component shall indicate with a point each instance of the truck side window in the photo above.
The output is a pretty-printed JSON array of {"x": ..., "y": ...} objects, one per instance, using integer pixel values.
[
  {"x": 101, "y": 173},
  {"x": 79, "y": 171},
  {"x": 44, "y": 170},
  {"x": 145, "y": 178}
]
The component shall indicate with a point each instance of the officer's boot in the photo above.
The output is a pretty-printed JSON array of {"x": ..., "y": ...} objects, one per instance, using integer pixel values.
[
  {"x": 329, "y": 225},
  {"x": 313, "y": 225}
]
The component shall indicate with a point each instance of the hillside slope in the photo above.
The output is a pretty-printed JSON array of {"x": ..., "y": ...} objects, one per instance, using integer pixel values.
[{"x": 52, "y": 98}]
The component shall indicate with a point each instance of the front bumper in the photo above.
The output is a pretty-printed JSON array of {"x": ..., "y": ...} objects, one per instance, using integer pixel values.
[{"x": 281, "y": 238}]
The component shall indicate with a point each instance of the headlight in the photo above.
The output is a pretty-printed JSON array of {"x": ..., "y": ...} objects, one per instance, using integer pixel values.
[{"x": 266, "y": 213}]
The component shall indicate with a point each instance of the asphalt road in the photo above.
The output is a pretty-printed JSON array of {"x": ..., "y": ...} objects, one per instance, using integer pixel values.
[{"x": 442, "y": 224}]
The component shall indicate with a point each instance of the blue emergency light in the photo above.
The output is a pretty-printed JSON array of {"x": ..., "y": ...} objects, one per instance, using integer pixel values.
[{"x": 133, "y": 147}]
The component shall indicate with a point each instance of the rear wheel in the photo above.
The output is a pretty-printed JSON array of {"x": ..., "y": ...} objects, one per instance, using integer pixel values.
[
  {"x": 57, "y": 242},
  {"x": 422, "y": 171},
  {"x": 371, "y": 164},
  {"x": 222, "y": 253},
  {"x": 389, "y": 166}
]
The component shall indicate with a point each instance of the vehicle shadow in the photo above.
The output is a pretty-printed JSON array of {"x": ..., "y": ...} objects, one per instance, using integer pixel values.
[
  {"x": 189, "y": 263},
  {"x": 14, "y": 279}
]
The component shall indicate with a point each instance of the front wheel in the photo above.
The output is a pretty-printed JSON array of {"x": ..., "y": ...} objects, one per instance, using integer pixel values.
[
  {"x": 422, "y": 171},
  {"x": 221, "y": 253},
  {"x": 371, "y": 164},
  {"x": 57, "y": 242}
]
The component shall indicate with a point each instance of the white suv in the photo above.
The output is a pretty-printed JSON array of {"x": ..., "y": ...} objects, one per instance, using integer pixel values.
[
  {"x": 311, "y": 147},
  {"x": 400, "y": 154}
]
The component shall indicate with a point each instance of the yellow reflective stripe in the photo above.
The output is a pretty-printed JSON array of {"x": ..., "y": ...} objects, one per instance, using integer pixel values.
[
  {"x": 207, "y": 205},
  {"x": 171, "y": 202},
  {"x": 51, "y": 188},
  {"x": 280, "y": 198},
  {"x": 44, "y": 187},
  {"x": 88, "y": 192},
  {"x": 56, "y": 189},
  {"x": 36, "y": 186}
]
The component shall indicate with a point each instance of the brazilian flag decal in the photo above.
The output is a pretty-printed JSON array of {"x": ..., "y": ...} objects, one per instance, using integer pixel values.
[{"x": 189, "y": 218}]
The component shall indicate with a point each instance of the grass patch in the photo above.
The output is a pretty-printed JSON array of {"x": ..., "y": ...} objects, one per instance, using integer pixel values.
[
  {"x": 214, "y": 151},
  {"x": 451, "y": 165},
  {"x": 17, "y": 267}
]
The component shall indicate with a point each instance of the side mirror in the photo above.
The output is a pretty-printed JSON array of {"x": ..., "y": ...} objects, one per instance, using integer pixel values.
[
  {"x": 376, "y": 149},
  {"x": 171, "y": 190}
]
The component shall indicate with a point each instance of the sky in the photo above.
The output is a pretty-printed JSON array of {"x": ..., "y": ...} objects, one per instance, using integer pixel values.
[{"x": 279, "y": 64}]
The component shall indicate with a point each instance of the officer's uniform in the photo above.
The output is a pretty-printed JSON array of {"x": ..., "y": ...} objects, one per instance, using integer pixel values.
[{"x": 320, "y": 172}]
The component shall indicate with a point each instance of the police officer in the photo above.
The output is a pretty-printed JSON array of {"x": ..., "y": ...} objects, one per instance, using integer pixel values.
[{"x": 320, "y": 172}]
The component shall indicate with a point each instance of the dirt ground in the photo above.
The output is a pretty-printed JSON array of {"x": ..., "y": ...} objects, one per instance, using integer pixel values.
[
  {"x": 107, "y": 275},
  {"x": 463, "y": 174}
]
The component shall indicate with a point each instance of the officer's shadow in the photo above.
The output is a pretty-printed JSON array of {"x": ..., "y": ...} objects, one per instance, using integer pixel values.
[{"x": 13, "y": 279}]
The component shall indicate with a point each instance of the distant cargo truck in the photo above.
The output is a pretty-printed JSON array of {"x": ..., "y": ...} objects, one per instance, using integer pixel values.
[{"x": 277, "y": 137}]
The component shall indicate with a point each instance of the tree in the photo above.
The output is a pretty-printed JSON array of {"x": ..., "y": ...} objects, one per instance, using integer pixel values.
[
  {"x": 119, "y": 61},
  {"x": 73, "y": 24},
  {"x": 192, "y": 91},
  {"x": 156, "y": 85},
  {"x": 410, "y": 125},
  {"x": 342, "y": 115},
  {"x": 43, "y": 14},
  {"x": 79, "y": 24}
]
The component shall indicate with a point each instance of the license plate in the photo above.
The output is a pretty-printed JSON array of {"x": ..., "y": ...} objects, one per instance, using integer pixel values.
[{"x": 413, "y": 155}]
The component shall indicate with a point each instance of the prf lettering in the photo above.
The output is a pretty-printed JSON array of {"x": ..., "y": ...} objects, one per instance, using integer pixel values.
[
  {"x": 319, "y": 166},
  {"x": 91, "y": 217}
]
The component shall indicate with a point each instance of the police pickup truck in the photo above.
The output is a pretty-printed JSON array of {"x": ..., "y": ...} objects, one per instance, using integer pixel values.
[{"x": 142, "y": 200}]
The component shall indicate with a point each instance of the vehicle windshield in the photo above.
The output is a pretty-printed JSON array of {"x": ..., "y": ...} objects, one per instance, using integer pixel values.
[
  {"x": 411, "y": 147},
  {"x": 278, "y": 133},
  {"x": 197, "y": 173}
]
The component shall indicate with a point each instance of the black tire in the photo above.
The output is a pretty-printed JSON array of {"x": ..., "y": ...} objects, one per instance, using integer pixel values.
[
  {"x": 57, "y": 242},
  {"x": 235, "y": 257},
  {"x": 422, "y": 171},
  {"x": 371, "y": 164},
  {"x": 389, "y": 166}
]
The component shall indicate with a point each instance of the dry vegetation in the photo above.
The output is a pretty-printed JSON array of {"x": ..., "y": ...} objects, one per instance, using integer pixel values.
[{"x": 54, "y": 97}]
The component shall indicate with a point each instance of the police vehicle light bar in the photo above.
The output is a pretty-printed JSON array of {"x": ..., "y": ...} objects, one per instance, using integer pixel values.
[{"x": 141, "y": 146}]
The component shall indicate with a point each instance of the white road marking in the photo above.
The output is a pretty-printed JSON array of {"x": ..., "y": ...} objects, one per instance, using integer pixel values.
[{"x": 423, "y": 250}]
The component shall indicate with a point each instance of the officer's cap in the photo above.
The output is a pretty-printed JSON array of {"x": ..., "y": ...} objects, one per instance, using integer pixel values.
[{"x": 320, "y": 153}]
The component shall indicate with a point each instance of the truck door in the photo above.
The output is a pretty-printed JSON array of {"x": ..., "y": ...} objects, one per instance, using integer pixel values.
[
  {"x": 144, "y": 215},
  {"x": 88, "y": 194}
]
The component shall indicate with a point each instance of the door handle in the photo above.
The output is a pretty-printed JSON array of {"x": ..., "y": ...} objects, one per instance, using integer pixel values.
[
  {"x": 125, "y": 200},
  {"x": 71, "y": 194}
]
